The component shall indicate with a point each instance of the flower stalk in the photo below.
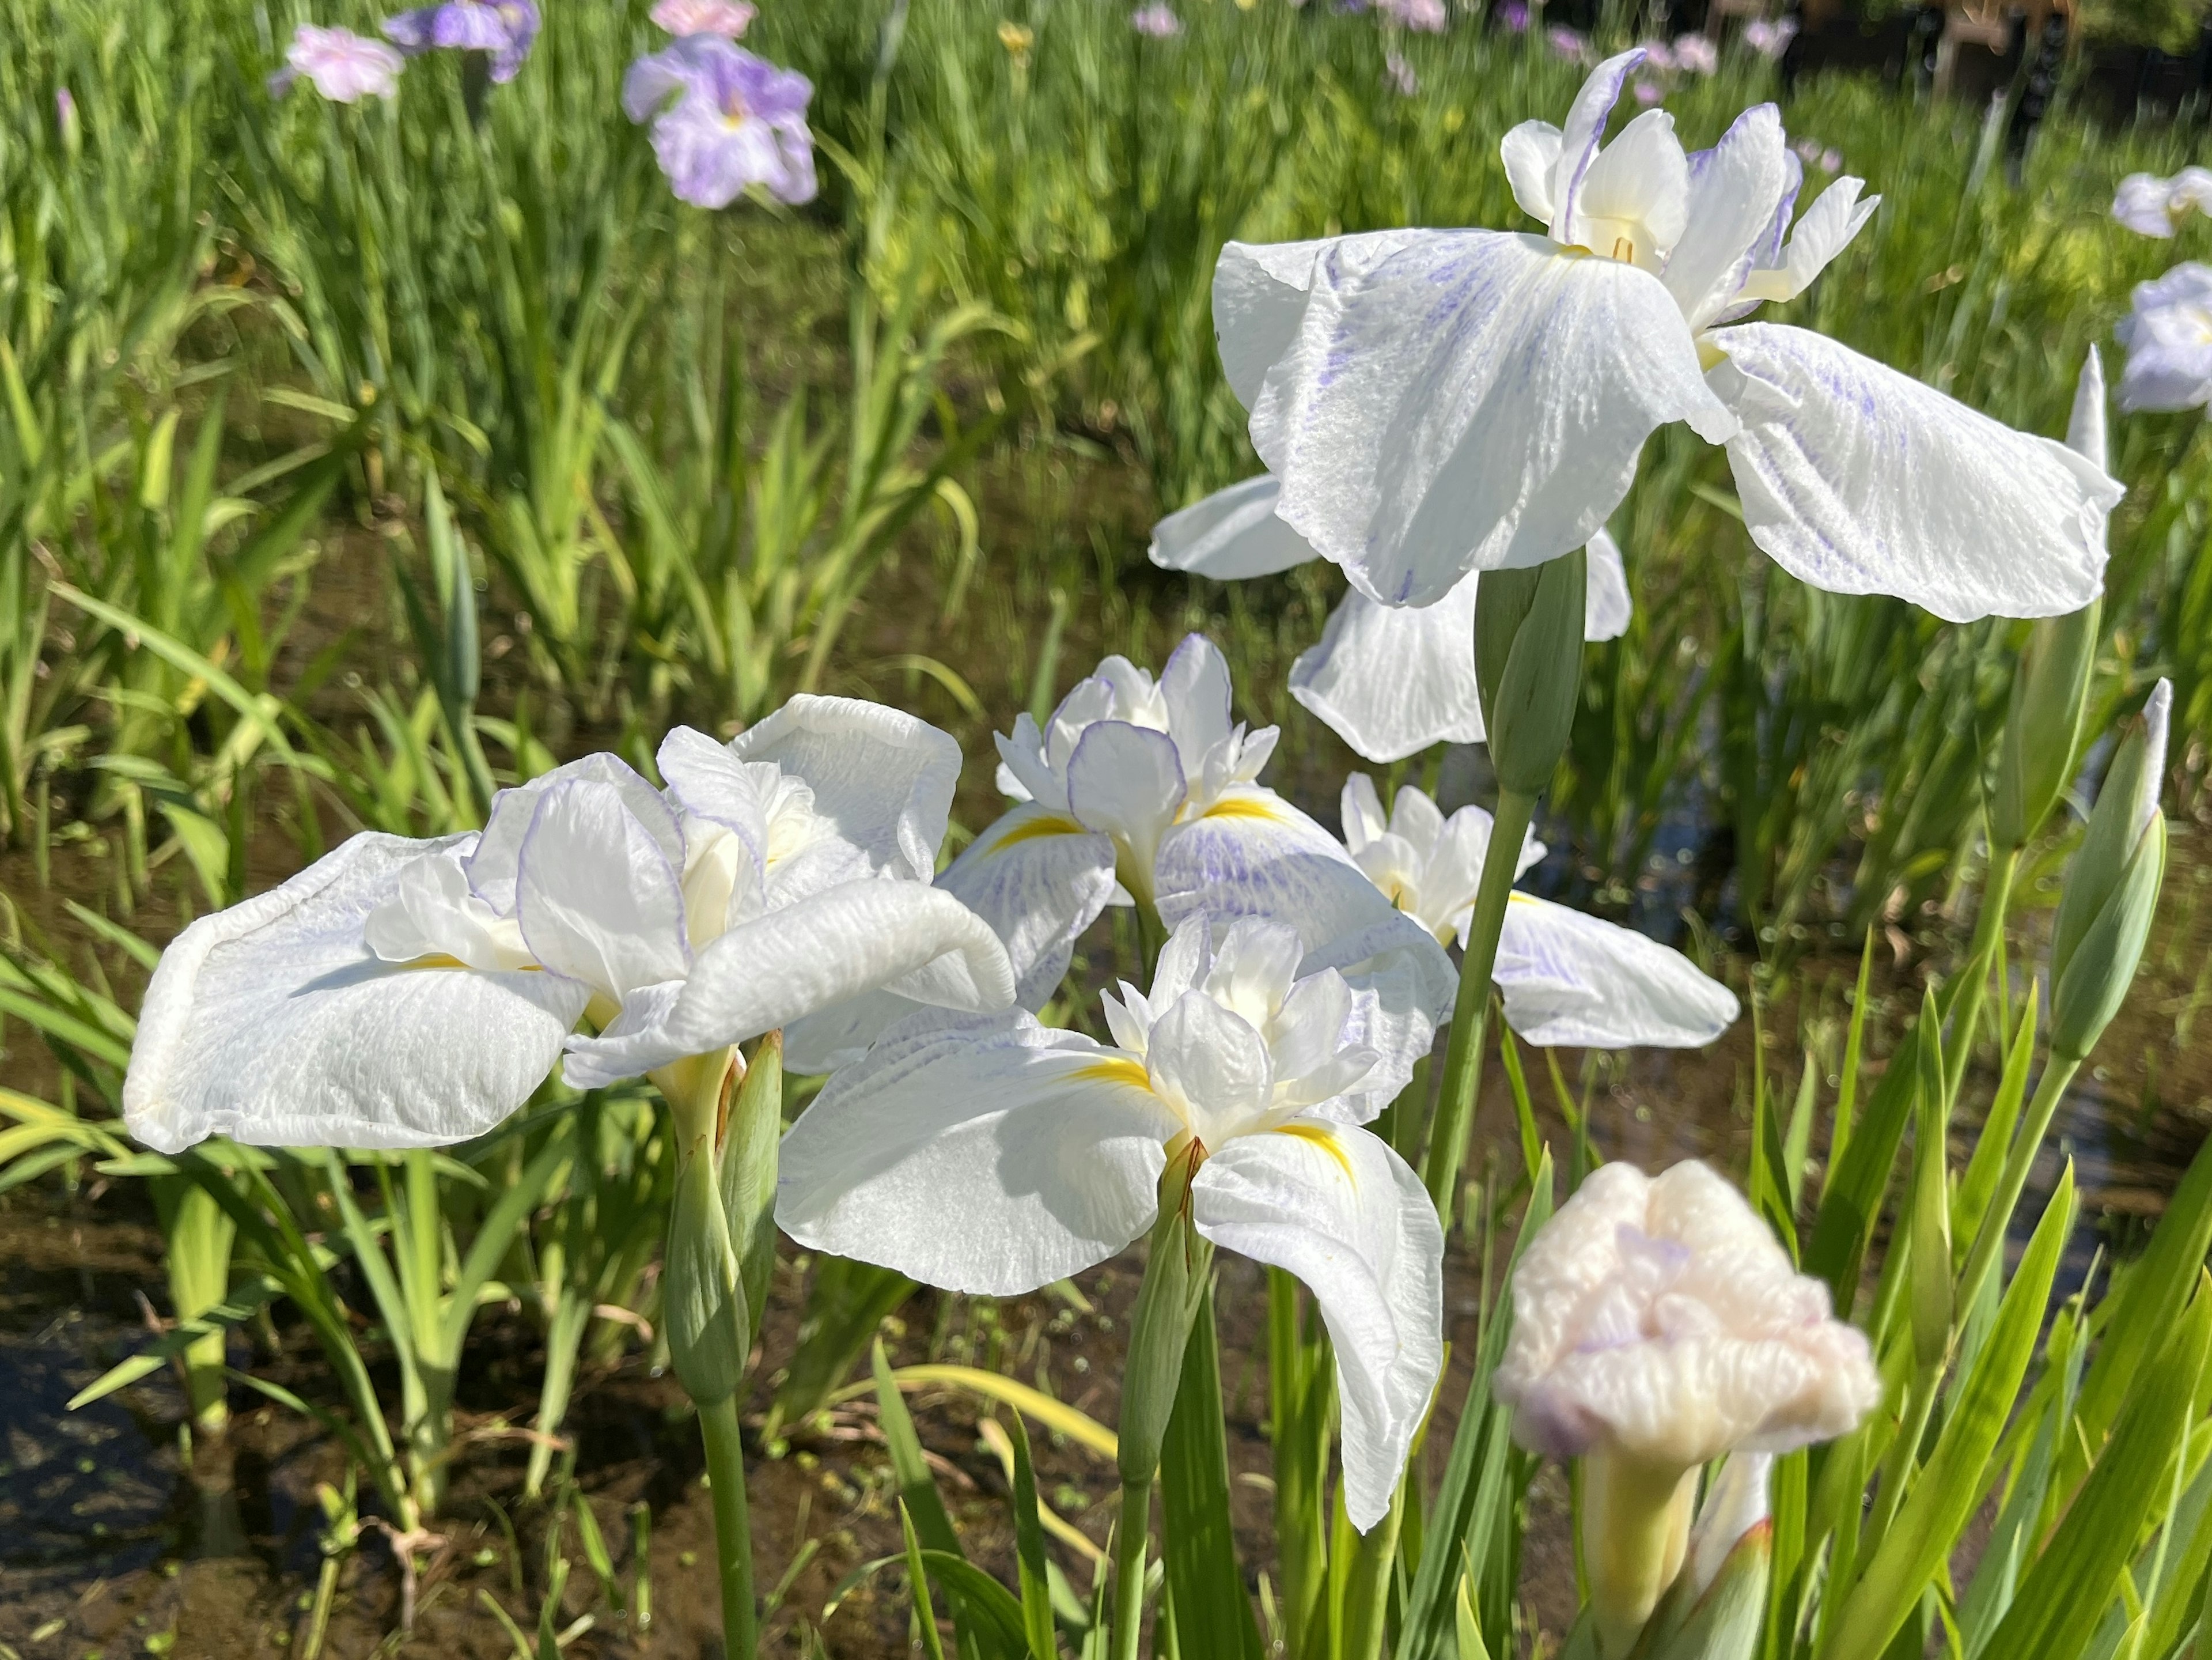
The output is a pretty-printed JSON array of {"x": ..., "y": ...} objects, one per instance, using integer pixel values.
[{"x": 1635, "y": 1532}]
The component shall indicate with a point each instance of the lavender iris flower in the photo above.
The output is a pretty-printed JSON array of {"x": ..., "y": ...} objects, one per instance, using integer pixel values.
[
  {"x": 1159, "y": 22},
  {"x": 1514, "y": 13},
  {"x": 2168, "y": 337},
  {"x": 344, "y": 67},
  {"x": 727, "y": 18},
  {"x": 505, "y": 28},
  {"x": 723, "y": 119}
]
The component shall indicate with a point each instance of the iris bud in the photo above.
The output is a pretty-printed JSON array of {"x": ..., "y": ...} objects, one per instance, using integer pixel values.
[
  {"x": 2112, "y": 888},
  {"x": 1529, "y": 665}
]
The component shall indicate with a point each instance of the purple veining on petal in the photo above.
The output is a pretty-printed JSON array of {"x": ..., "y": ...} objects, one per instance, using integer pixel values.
[{"x": 1606, "y": 91}]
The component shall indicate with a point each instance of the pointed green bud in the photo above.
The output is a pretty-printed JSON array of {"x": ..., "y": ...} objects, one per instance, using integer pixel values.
[
  {"x": 702, "y": 1298},
  {"x": 1175, "y": 1268},
  {"x": 1930, "y": 1225},
  {"x": 747, "y": 1159},
  {"x": 1528, "y": 665},
  {"x": 2112, "y": 887}
]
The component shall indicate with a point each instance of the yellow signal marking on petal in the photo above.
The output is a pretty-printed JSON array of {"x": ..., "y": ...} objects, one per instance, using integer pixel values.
[
  {"x": 1114, "y": 1069},
  {"x": 1242, "y": 807},
  {"x": 1323, "y": 1137},
  {"x": 1039, "y": 827},
  {"x": 436, "y": 959}
]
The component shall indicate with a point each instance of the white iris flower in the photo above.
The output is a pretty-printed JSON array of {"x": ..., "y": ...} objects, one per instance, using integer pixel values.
[
  {"x": 1436, "y": 402},
  {"x": 1391, "y": 680},
  {"x": 993, "y": 1156},
  {"x": 405, "y": 992},
  {"x": 1567, "y": 979},
  {"x": 1152, "y": 784}
]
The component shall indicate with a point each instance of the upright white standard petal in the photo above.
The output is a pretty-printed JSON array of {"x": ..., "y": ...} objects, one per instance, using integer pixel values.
[
  {"x": 993, "y": 1156},
  {"x": 1457, "y": 400},
  {"x": 275, "y": 1023},
  {"x": 1476, "y": 401},
  {"x": 881, "y": 779},
  {"x": 1335, "y": 1207},
  {"x": 1858, "y": 479}
]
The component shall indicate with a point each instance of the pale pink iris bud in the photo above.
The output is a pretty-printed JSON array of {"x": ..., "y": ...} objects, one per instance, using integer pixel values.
[{"x": 1657, "y": 1325}]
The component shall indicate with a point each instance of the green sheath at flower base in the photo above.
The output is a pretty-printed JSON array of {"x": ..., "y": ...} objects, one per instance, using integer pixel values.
[
  {"x": 2112, "y": 889},
  {"x": 1715, "y": 1608},
  {"x": 2043, "y": 723},
  {"x": 703, "y": 1296},
  {"x": 1177, "y": 1266},
  {"x": 1528, "y": 664}
]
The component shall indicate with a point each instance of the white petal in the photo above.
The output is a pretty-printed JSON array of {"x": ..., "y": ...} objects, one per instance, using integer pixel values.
[
  {"x": 915, "y": 939},
  {"x": 1361, "y": 810},
  {"x": 1607, "y": 608},
  {"x": 1531, "y": 153},
  {"x": 596, "y": 896},
  {"x": 1477, "y": 401},
  {"x": 1858, "y": 479},
  {"x": 1735, "y": 191},
  {"x": 1391, "y": 680},
  {"x": 272, "y": 1023},
  {"x": 987, "y": 1157},
  {"x": 1573, "y": 981},
  {"x": 1231, "y": 534},
  {"x": 2085, "y": 430},
  {"x": 1334, "y": 1207},
  {"x": 492, "y": 865},
  {"x": 884, "y": 778},
  {"x": 2143, "y": 203},
  {"x": 1210, "y": 1064},
  {"x": 1825, "y": 231},
  {"x": 1195, "y": 690},
  {"x": 1580, "y": 145},
  {"x": 1637, "y": 191},
  {"x": 1259, "y": 294},
  {"x": 1127, "y": 781}
]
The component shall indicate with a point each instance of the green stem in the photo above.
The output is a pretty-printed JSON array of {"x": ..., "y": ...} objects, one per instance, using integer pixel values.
[
  {"x": 1989, "y": 1239},
  {"x": 1903, "y": 1453},
  {"x": 1367, "y": 1598},
  {"x": 1470, "y": 1013},
  {"x": 1131, "y": 1535},
  {"x": 1989, "y": 937},
  {"x": 733, "y": 1551}
]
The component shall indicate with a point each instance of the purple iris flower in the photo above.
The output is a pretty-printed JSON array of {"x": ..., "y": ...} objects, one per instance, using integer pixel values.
[
  {"x": 2168, "y": 337},
  {"x": 1514, "y": 13},
  {"x": 505, "y": 28},
  {"x": 723, "y": 119}
]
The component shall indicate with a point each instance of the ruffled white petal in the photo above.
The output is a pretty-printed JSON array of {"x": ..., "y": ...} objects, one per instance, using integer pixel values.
[
  {"x": 273, "y": 1024},
  {"x": 1825, "y": 231},
  {"x": 1858, "y": 479},
  {"x": 1260, "y": 292},
  {"x": 1334, "y": 1207},
  {"x": 1581, "y": 142},
  {"x": 1635, "y": 199},
  {"x": 493, "y": 864},
  {"x": 986, "y": 1157},
  {"x": 1232, "y": 534},
  {"x": 1127, "y": 781},
  {"x": 1391, "y": 680},
  {"x": 1573, "y": 981},
  {"x": 1476, "y": 401},
  {"x": 1734, "y": 195},
  {"x": 771, "y": 971},
  {"x": 1036, "y": 876},
  {"x": 596, "y": 896},
  {"x": 882, "y": 777},
  {"x": 1210, "y": 1065}
]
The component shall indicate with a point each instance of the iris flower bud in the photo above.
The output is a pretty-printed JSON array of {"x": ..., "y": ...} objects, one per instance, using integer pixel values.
[
  {"x": 1657, "y": 1325},
  {"x": 1528, "y": 664},
  {"x": 2112, "y": 888}
]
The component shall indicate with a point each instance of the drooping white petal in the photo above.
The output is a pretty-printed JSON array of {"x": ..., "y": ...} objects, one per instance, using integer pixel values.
[
  {"x": 1477, "y": 401},
  {"x": 492, "y": 865},
  {"x": 1573, "y": 981},
  {"x": 1232, "y": 534},
  {"x": 1531, "y": 153},
  {"x": 1336, "y": 1207},
  {"x": 1734, "y": 194},
  {"x": 273, "y": 1024},
  {"x": 989, "y": 1157},
  {"x": 595, "y": 894},
  {"x": 1127, "y": 781},
  {"x": 884, "y": 779},
  {"x": 1260, "y": 292},
  {"x": 1391, "y": 680},
  {"x": 915, "y": 939},
  {"x": 1607, "y": 608},
  {"x": 1858, "y": 479},
  {"x": 2143, "y": 203},
  {"x": 1038, "y": 877}
]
